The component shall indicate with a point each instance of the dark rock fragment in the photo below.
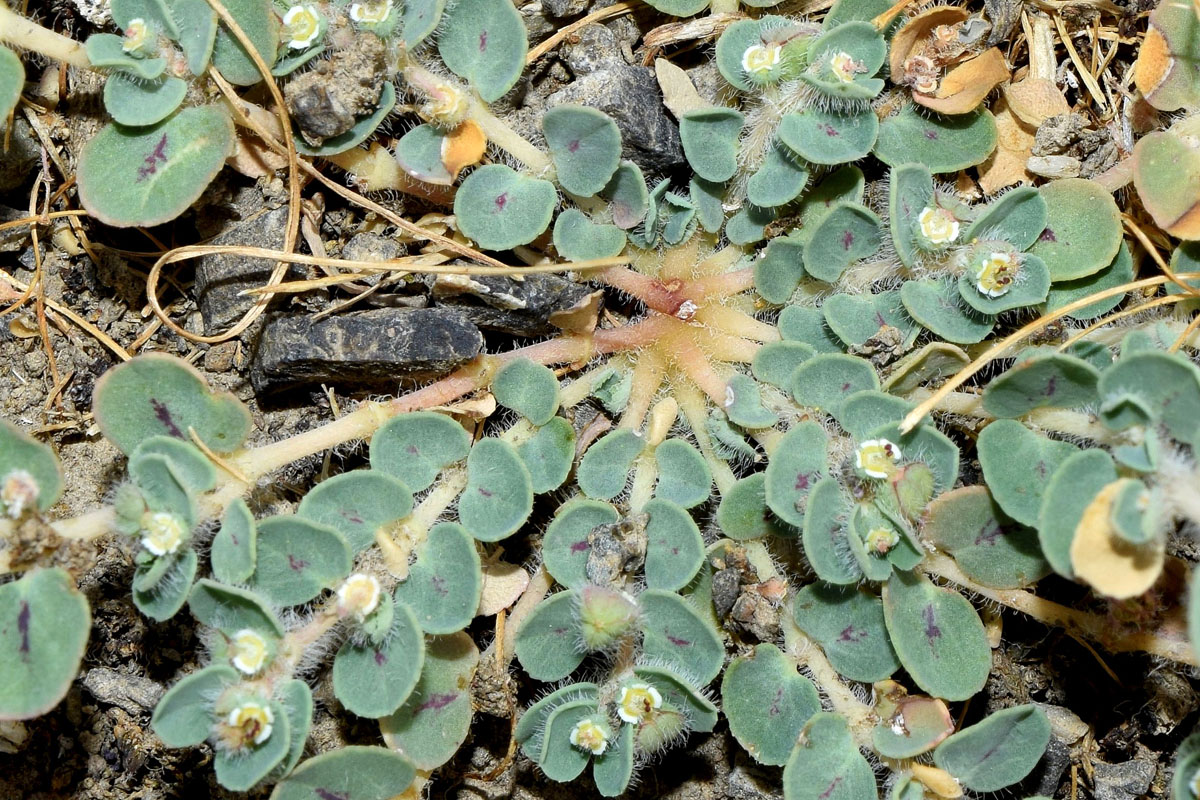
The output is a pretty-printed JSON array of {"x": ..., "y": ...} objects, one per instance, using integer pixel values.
[
  {"x": 534, "y": 305},
  {"x": 221, "y": 278}
]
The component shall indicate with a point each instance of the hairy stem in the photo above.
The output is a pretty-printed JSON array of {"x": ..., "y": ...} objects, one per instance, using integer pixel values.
[{"x": 27, "y": 35}]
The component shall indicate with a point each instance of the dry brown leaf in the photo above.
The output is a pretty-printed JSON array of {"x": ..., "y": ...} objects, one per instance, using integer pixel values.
[
  {"x": 679, "y": 93},
  {"x": 1035, "y": 100},
  {"x": 937, "y": 780},
  {"x": 1111, "y": 565},
  {"x": 463, "y": 147},
  {"x": 581, "y": 317},
  {"x": 910, "y": 37},
  {"x": 254, "y": 159},
  {"x": 965, "y": 86},
  {"x": 707, "y": 27},
  {"x": 503, "y": 584},
  {"x": 1014, "y": 145}
]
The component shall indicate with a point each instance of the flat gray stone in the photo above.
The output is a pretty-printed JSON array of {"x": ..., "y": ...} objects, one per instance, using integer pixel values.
[
  {"x": 132, "y": 693},
  {"x": 529, "y": 306},
  {"x": 220, "y": 278},
  {"x": 371, "y": 350}
]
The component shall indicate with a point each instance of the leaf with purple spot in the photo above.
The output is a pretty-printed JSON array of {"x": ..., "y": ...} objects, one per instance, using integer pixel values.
[
  {"x": 549, "y": 644},
  {"x": 357, "y": 504},
  {"x": 1042, "y": 380},
  {"x": 374, "y": 680},
  {"x": 829, "y": 137},
  {"x": 797, "y": 465},
  {"x": 826, "y": 764},
  {"x": 997, "y": 751},
  {"x": 484, "y": 41},
  {"x": 674, "y": 547},
  {"x": 847, "y": 622},
  {"x": 565, "y": 546},
  {"x": 847, "y": 234},
  {"x": 501, "y": 209},
  {"x": 767, "y": 703},
  {"x": 675, "y": 634},
  {"x": 1083, "y": 229},
  {"x": 435, "y": 720},
  {"x": 444, "y": 583},
  {"x": 499, "y": 494},
  {"x": 235, "y": 546},
  {"x": 415, "y": 447},
  {"x": 298, "y": 559},
  {"x": 585, "y": 145},
  {"x": 354, "y": 772},
  {"x": 941, "y": 143},
  {"x": 1017, "y": 464},
  {"x": 44, "y": 626},
  {"x": 937, "y": 636}
]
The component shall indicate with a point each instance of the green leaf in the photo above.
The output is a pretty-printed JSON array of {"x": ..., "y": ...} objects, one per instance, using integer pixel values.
[
  {"x": 257, "y": 20},
  {"x": 679, "y": 8},
  {"x": 1165, "y": 384},
  {"x": 613, "y": 770},
  {"x": 846, "y": 234},
  {"x": 826, "y": 765},
  {"x": 1017, "y": 217},
  {"x": 826, "y": 380},
  {"x": 856, "y": 318},
  {"x": 531, "y": 727},
  {"x": 767, "y": 703},
  {"x": 1078, "y": 479},
  {"x": 106, "y": 51},
  {"x": 988, "y": 547},
  {"x": 162, "y": 598},
  {"x": 749, "y": 224},
  {"x": 444, "y": 584},
  {"x": 779, "y": 179},
  {"x": 735, "y": 40},
  {"x": 675, "y": 635},
  {"x": 529, "y": 389},
  {"x": 933, "y": 361},
  {"x": 585, "y": 146},
  {"x": 1083, "y": 229},
  {"x": 710, "y": 141},
  {"x": 356, "y": 504},
  {"x": 1055, "y": 380},
  {"x": 193, "y": 470},
  {"x": 296, "y": 699},
  {"x": 561, "y": 760},
  {"x": 373, "y": 681},
  {"x": 678, "y": 214},
  {"x": 44, "y": 627},
  {"x": 1016, "y": 464},
  {"x": 779, "y": 269},
  {"x": 1063, "y": 293},
  {"x": 415, "y": 447},
  {"x": 627, "y": 194},
  {"x": 807, "y": 325},
  {"x": 848, "y": 624},
  {"x": 565, "y": 546},
  {"x": 798, "y": 463},
  {"x": 868, "y": 410},
  {"x": 12, "y": 81},
  {"x": 185, "y": 716},
  {"x": 297, "y": 560},
  {"x": 352, "y": 772},
  {"x": 674, "y": 547},
  {"x": 484, "y": 41},
  {"x": 29, "y": 472},
  {"x": 136, "y": 102},
  {"x": 829, "y": 137},
  {"x": 435, "y": 720},
  {"x": 1029, "y": 287},
  {"x": 826, "y": 533},
  {"x": 498, "y": 207},
  {"x": 743, "y": 514},
  {"x": 937, "y": 636},
  {"x": 577, "y": 238},
  {"x": 362, "y": 129},
  {"x": 683, "y": 474},
  {"x": 708, "y": 197},
  {"x": 943, "y": 144},
  {"x": 549, "y": 644},
  {"x": 998, "y": 751},
  {"x": 147, "y": 176},
  {"x": 234, "y": 548},
  {"x": 499, "y": 494},
  {"x": 775, "y": 362},
  {"x": 241, "y": 770},
  {"x": 197, "y": 32},
  {"x": 604, "y": 469},
  {"x": 938, "y": 305},
  {"x": 1135, "y": 511},
  {"x": 153, "y": 11},
  {"x": 549, "y": 454},
  {"x": 230, "y": 609},
  {"x": 419, "y": 20},
  {"x": 1187, "y": 764},
  {"x": 419, "y": 153}
]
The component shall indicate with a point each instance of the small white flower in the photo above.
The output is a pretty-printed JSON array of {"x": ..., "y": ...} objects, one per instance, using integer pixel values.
[
  {"x": 996, "y": 274},
  {"x": 20, "y": 491},
  {"x": 759, "y": 59},
  {"x": 135, "y": 35},
  {"x": 637, "y": 701},
  {"x": 253, "y": 720},
  {"x": 302, "y": 26},
  {"x": 938, "y": 225},
  {"x": 373, "y": 12},
  {"x": 359, "y": 595},
  {"x": 877, "y": 458},
  {"x": 844, "y": 66},
  {"x": 162, "y": 533},
  {"x": 249, "y": 651},
  {"x": 591, "y": 736}
]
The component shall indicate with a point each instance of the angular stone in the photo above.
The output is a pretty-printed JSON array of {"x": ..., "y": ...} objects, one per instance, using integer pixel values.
[
  {"x": 531, "y": 306},
  {"x": 372, "y": 349},
  {"x": 221, "y": 278},
  {"x": 1124, "y": 781},
  {"x": 630, "y": 95},
  {"x": 133, "y": 693}
]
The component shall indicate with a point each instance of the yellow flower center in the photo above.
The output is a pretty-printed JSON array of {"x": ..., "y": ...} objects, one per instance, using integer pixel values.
[
  {"x": 637, "y": 702},
  {"x": 844, "y": 67},
  {"x": 359, "y": 595},
  {"x": 877, "y": 458},
  {"x": 252, "y": 721},
  {"x": 162, "y": 533},
  {"x": 591, "y": 736},
  {"x": 938, "y": 225},
  {"x": 302, "y": 25},
  {"x": 760, "y": 59},
  {"x": 996, "y": 274},
  {"x": 249, "y": 651},
  {"x": 371, "y": 12},
  {"x": 882, "y": 540}
]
